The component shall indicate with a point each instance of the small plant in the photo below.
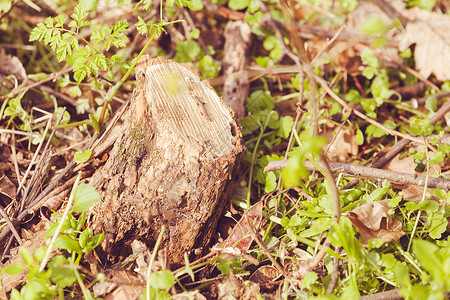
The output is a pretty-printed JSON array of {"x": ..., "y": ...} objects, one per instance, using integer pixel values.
[
  {"x": 89, "y": 58},
  {"x": 48, "y": 280}
]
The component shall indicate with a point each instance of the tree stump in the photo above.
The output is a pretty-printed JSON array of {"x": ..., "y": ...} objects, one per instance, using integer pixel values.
[{"x": 171, "y": 164}]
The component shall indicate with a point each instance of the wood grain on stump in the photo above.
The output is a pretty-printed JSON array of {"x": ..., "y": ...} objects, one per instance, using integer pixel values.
[{"x": 171, "y": 163}]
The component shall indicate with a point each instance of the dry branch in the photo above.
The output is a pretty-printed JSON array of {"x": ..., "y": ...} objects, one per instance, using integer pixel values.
[
  {"x": 235, "y": 88},
  {"x": 370, "y": 173}
]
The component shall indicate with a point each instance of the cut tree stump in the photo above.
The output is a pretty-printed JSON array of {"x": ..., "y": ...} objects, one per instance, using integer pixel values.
[{"x": 171, "y": 164}]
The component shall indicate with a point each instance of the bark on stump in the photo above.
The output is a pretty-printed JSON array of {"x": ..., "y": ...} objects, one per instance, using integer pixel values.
[{"x": 171, "y": 164}]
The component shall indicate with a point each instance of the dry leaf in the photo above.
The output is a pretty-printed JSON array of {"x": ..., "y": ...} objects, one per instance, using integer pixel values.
[
  {"x": 342, "y": 146},
  {"x": 408, "y": 165},
  {"x": 374, "y": 221},
  {"x": 429, "y": 31},
  {"x": 228, "y": 287},
  {"x": 121, "y": 284},
  {"x": 265, "y": 274},
  {"x": 240, "y": 237},
  {"x": 7, "y": 188},
  {"x": 11, "y": 65}
]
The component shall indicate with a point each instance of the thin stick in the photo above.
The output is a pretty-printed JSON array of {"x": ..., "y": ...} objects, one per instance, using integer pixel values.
[
  {"x": 35, "y": 84},
  {"x": 371, "y": 174},
  {"x": 60, "y": 225},
  {"x": 45, "y": 153},
  {"x": 328, "y": 44},
  {"x": 335, "y": 274},
  {"x": 34, "y": 157},
  {"x": 263, "y": 247},
  {"x": 403, "y": 143},
  {"x": 10, "y": 225},
  {"x": 152, "y": 258},
  {"x": 14, "y": 157},
  {"x": 342, "y": 102}
]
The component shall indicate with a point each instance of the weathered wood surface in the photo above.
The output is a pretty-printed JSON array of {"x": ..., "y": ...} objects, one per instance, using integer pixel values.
[
  {"x": 171, "y": 163},
  {"x": 235, "y": 60}
]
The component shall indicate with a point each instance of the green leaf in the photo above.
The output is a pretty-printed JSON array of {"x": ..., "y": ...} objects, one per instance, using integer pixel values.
[
  {"x": 84, "y": 236},
  {"x": 208, "y": 67},
  {"x": 426, "y": 254},
  {"x": 374, "y": 131},
  {"x": 260, "y": 100},
  {"x": 343, "y": 235},
  {"x": 431, "y": 104},
  {"x": 142, "y": 27},
  {"x": 425, "y": 4},
  {"x": 375, "y": 195},
  {"x": 26, "y": 256},
  {"x": 437, "y": 157},
  {"x": 66, "y": 242},
  {"x": 84, "y": 197},
  {"x": 5, "y": 5},
  {"x": 271, "y": 182},
  {"x": 66, "y": 117},
  {"x": 402, "y": 275},
  {"x": 373, "y": 26},
  {"x": 285, "y": 126},
  {"x": 438, "y": 226},
  {"x": 197, "y": 5},
  {"x": 163, "y": 280},
  {"x": 359, "y": 137},
  {"x": 81, "y": 157},
  {"x": 187, "y": 51},
  {"x": 179, "y": 3},
  {"x": 309, "y": 279},
  {"x": 62, "y": 276},
  {"x": 294, "y": 171},
  {"x": 94, "y": 122},
  {"x": 238, "y": 4},
  {"x": 250, "y": 123},
  {"x": 94, "y": 241},
  {"x": 39, "y": 254},
  {"x": 14, "y": 269}
]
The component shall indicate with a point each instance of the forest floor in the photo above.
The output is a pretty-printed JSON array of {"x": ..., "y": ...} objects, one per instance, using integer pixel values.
[{"x": 343, "y": 190}]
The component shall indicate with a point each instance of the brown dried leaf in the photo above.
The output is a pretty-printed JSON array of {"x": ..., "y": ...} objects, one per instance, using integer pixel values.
[
  {"x": 11, "y": 65},
  {"x": 374, "y": 221},
  {"x": 121, "y": 284},
  {"x": 265, "y": 274},
  {"x": 7, "y": 188},
  {"x": 342, "y": 146},
  {"x": 240, "y": 237},
  {"x": 408, "y": 165},
  {"x": 429, "y": 31}
]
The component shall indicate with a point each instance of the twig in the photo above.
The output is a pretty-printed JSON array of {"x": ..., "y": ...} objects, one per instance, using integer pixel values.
[
  {"x": 371, "y": 173},
  {"x": 44, "y": 156},
  {"x": 34, "y": 206},
  {"x": 313, "y": 263},
  {"x": 324, "y": 165},
  {"x": 386, "y": 295},
  {"x": 348, "y": 107},
  {"x": 34, "y": 158},
  {"x": 403, "y": 143},
  {"x": 14, "y": 156},
  {"x": 409, "y": 70},
  {"x": 60, "y": 225},
  {"x": 152, "y": 259},
  {"x": 35, "y": 84},
  {"x": 335, "y": 274},
  {"x": 263, "y": 247},
  {"x": 10, "y": 225},
  {"x": 328, "y": 44}
]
